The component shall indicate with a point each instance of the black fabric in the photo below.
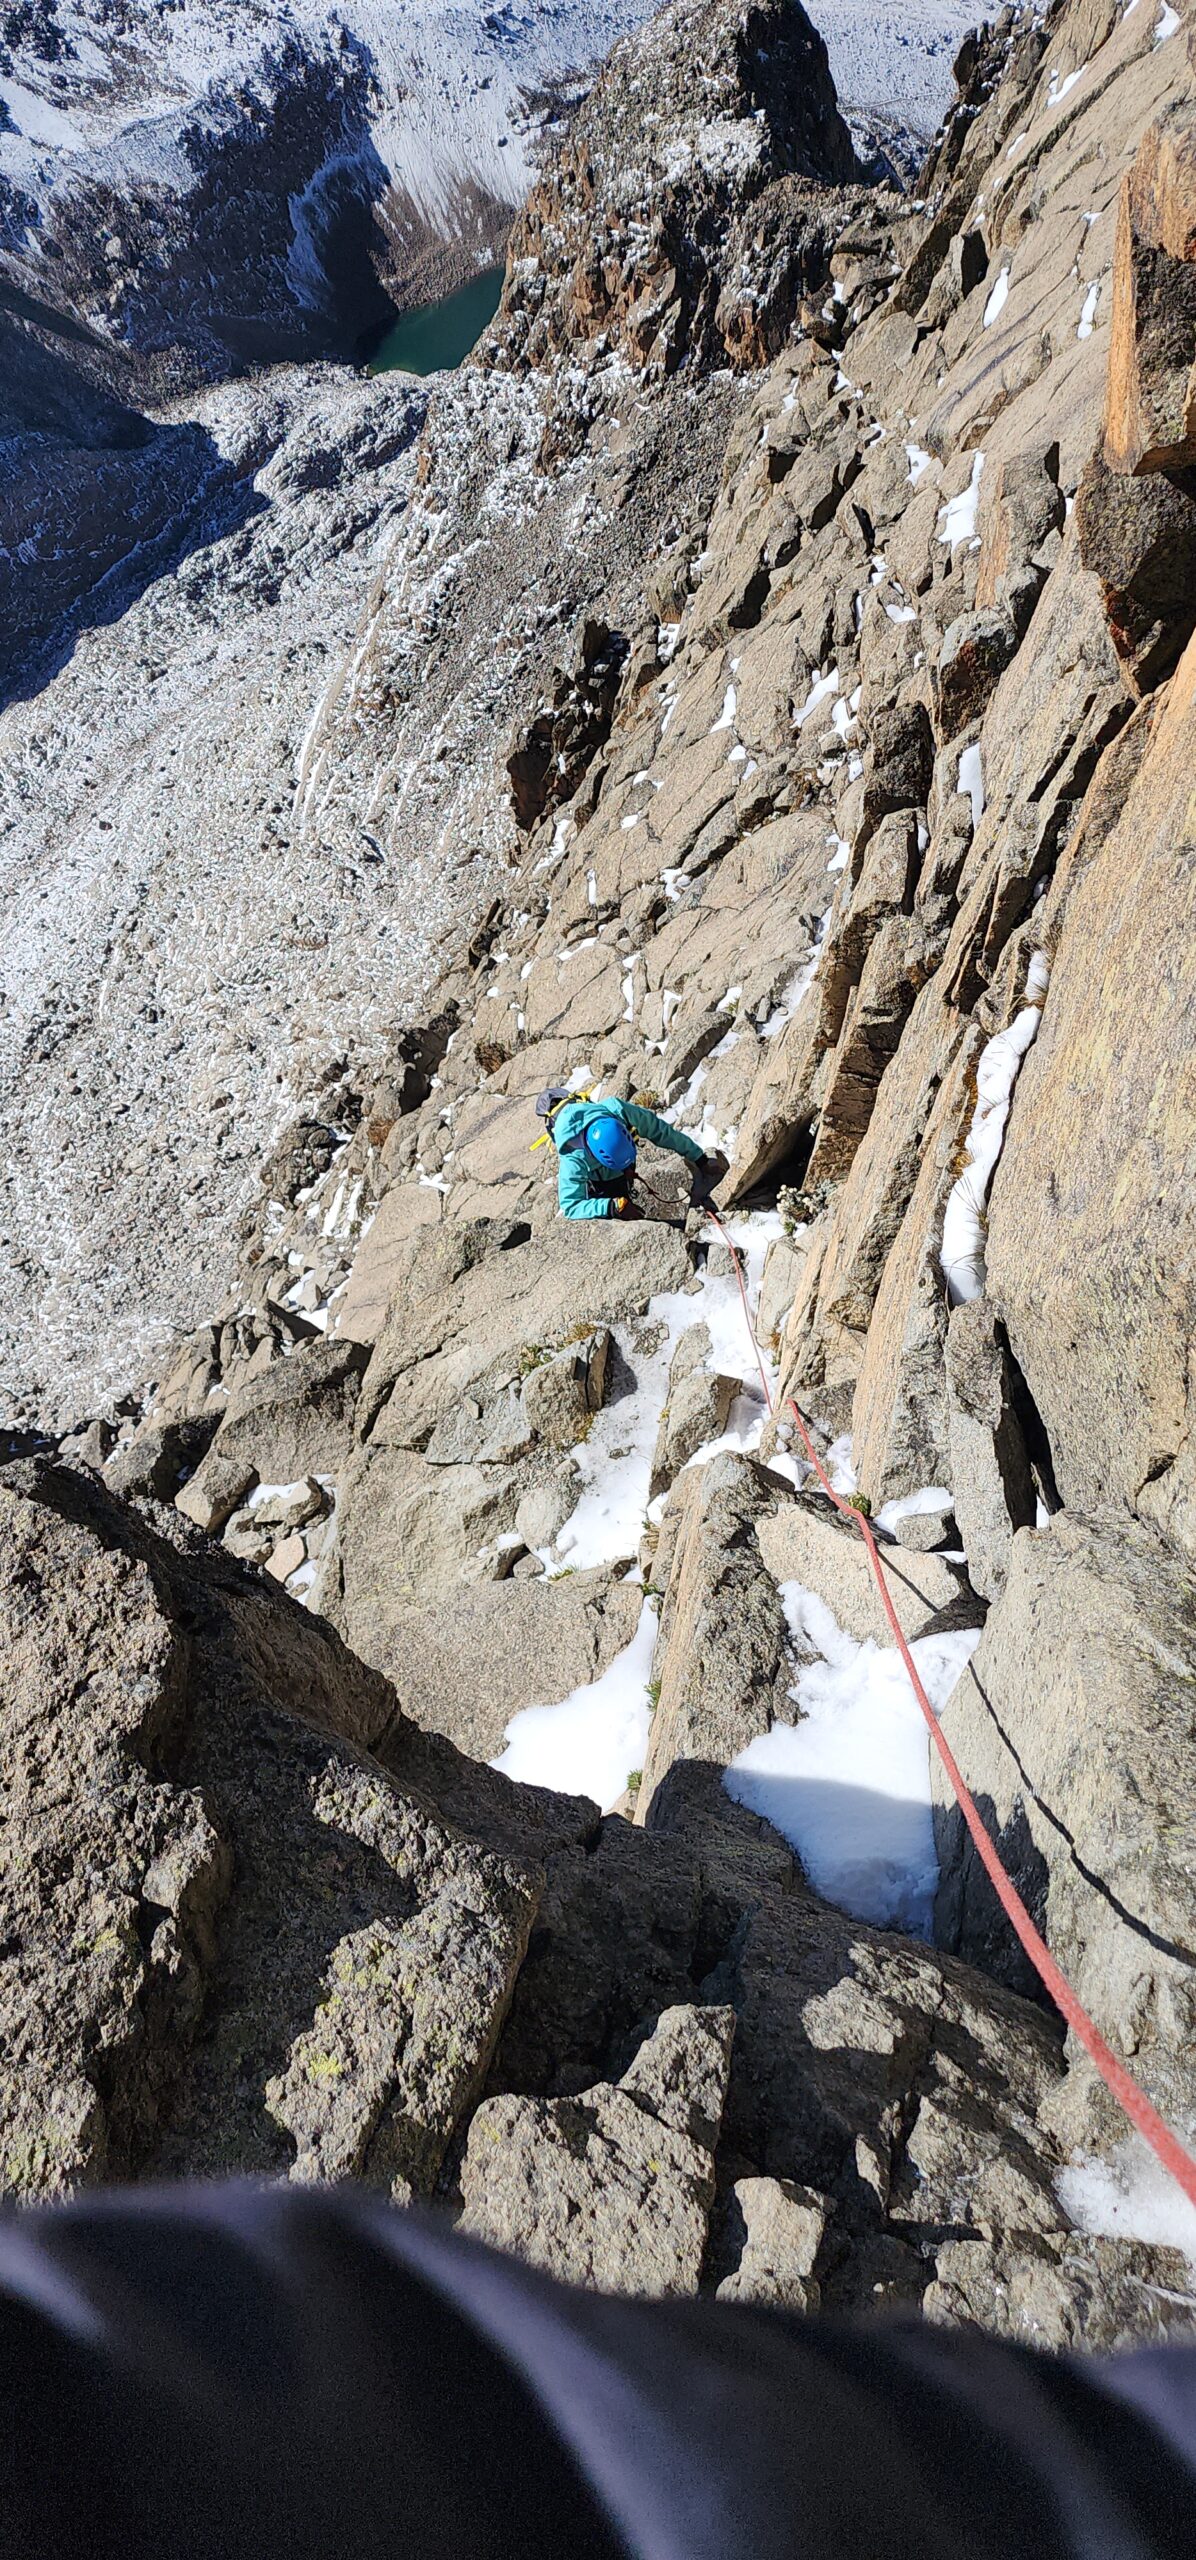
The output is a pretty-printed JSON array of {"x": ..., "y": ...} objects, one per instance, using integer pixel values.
[{"x": 258, "y": 2372}]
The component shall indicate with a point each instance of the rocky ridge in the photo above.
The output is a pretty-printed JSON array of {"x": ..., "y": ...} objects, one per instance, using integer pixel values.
[{"x": 827, "y": 854}]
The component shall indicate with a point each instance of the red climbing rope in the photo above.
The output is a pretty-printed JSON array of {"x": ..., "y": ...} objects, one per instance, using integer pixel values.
[{"x": 1178, "y": 2162}]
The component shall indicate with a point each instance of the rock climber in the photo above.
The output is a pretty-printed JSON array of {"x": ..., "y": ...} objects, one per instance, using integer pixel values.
[{"x": 595, "y": 1144}]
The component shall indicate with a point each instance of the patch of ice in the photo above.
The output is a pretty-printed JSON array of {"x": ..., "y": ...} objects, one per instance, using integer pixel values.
[
  {"x": 997, "y": 299},
  {"x": 962, "y": 1252},
  {"x": 902, "y": 612},
  {"x": 957, "y": 520},
  {"x": 727, "y": 714},
  {"x": 842, "y": 852},
  {"x": 1129, "y": 2197},
  {"x": 849, "y": 1785},
  {"x": 590, "y": 1742},
  {"x": 1166, "y": 24},
  {"x": 1088, "y": 314},
  {"x": 1017, "y": 142}
]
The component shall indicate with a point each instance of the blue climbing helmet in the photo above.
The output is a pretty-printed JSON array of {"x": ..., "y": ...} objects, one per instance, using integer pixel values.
[{"x": 609, "y": 1141}]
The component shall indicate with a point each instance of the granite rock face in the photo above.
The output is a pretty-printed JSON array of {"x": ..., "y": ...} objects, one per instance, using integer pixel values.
[{"x": 1074, "y": 1722}]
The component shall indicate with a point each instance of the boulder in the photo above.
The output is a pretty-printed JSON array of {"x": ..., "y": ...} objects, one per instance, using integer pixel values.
[
  {"x": 481, "y": 1298},
  {"x": 467, "y": 1653},
  {"x": 288, "y": 1506},
  {"x": 899, "y": 762},
  {"x": 990, "y": 1470},
  {"x": 806, "y": 1541},
  {"x": 877, "y": 1011},
  {"x": 200, "y": 1855},
  {"x": 286, "y": 1558},
  {"x": 886, "y": 883},
  {"x": 561, "y": 1394},
  {"x": 784, "y": 1266},
  {"x": 612, "y": 2188},
  {"x": 295, "y": 1421},
  {"x": 1073, "y": 1723},
  {"x": 159, "y": 1457},
  {"x": 546, "y": 1508},
  {"x": 1021, "y": 506},
  {"x": 380, "y": 1262},
  {"x": 699, "y": 1402},
  {"x": 547, "y": 762},
  {"x": 1150, "y": 396},
  {"x": 1138, "y": 537},
  {"x": 1029, "y": 2287},
  {"x": 776, "y": 2228},
  {"x": 900, "y": 1432},
  {"x": 972, "y": 657}
]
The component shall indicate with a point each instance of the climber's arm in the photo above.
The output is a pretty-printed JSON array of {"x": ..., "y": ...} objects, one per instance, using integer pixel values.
[
  {"x": 661, "y": 1133},
  {"x": 574, "y": 1197}
]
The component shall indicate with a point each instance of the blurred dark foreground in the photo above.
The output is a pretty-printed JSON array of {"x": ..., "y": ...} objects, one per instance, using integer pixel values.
[{"x": 279, "y": 2371}]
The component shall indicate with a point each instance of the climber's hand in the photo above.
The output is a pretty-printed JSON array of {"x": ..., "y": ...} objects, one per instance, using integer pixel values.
[{"x": 625, "y": 1208}]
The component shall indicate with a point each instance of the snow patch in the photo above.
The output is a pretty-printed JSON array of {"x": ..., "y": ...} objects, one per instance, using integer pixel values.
[
  {"x": 1088, "y": 314},
  {"x": 590, "y": 1742},
  {"x": 997, "y": 299},
  {"x": 957, "y": 520},
  {"x": 849, "y": 1785},
  {"x": 911, "y": 1506},
  {"x": 1129, "y": 2197},
  {"x": 970, "y": 785},
  {"x": 962, "y": 1253},
  {"x": 820, "y": 690}
]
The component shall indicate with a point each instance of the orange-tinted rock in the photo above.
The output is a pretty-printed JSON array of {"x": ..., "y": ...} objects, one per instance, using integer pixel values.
[
  {"x": 1150, "y": 406},
  {"x": 1138, "y": 536}
]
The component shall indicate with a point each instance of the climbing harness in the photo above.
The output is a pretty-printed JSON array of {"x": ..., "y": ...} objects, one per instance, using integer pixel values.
[{"x": 1137, "y": 2106}]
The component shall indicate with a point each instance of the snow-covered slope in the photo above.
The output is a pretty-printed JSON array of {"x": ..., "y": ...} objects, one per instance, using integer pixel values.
[
  {"x": 433, "y": 112},
  {"x": 221, "y": 178},
  {"x": 83, "y": 86}
]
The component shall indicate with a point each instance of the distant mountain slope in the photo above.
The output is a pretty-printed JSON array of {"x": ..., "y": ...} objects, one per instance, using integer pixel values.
[{"x": 236, "y": 183}]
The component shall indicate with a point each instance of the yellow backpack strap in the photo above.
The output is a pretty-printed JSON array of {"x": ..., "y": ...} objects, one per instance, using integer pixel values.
[{"x": 566, "y": 1098}]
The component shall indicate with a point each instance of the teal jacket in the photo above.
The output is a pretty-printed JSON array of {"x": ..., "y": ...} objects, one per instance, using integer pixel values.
[{"x": 584, "y": 1192}]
